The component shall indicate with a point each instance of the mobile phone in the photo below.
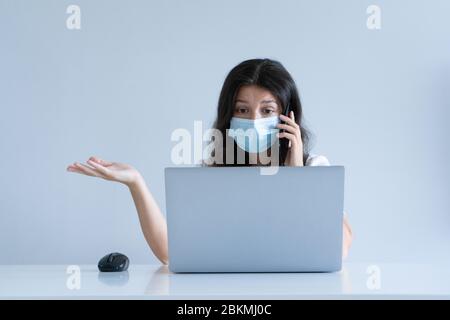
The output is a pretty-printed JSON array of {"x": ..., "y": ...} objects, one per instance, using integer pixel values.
[{"x": 284, "y": 142}]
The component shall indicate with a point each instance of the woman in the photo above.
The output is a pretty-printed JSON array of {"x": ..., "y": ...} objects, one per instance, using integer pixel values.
[{"x": 255, "y": 95}]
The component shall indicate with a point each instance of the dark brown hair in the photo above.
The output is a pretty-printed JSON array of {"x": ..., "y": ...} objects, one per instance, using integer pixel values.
[{"x": 268, "y": 74}]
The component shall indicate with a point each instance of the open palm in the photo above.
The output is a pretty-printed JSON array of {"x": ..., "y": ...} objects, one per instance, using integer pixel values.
[{"x": 114, "y": 171}]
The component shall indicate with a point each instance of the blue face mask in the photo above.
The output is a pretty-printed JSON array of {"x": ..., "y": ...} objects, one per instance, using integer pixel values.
[{"x": 254, "y": 136}]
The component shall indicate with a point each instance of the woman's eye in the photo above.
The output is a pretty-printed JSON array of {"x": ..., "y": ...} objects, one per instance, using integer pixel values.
[
  {"x": 241, "y": 110},
  {"x": 268, "y": 111}
]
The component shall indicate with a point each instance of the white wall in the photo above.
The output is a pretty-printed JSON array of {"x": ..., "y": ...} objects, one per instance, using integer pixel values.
[{"x": 377, "y": 101}]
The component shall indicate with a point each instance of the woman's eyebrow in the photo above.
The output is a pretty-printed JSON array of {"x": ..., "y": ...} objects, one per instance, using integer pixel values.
[
  {"x": 268, "y": 101},
  {"x": 263, "y": 101}
]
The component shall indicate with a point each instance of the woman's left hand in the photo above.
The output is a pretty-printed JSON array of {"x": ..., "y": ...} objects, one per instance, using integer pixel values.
[{"x": 294, "y": 157}]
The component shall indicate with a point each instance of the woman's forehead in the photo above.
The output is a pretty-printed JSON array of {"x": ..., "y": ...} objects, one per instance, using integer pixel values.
[{"x": 253, "y": 93}]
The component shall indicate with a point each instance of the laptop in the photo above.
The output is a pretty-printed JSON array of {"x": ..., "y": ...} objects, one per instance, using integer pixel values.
[{"x": 234, "y": 219}]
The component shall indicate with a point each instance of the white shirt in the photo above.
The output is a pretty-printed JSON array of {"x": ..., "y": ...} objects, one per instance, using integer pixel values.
[{"x": 316, "y": 160}]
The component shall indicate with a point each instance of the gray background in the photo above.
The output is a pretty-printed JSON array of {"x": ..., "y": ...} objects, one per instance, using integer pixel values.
[{"x": 377, "y": 101}]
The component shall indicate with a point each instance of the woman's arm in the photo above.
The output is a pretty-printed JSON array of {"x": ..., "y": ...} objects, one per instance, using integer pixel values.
[
  {"x": 348, "y": 238},
  {"x": 153, "y": 223}
]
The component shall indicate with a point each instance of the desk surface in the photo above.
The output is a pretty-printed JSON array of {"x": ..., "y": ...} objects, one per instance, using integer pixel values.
[{"x": 391, "y": 281}]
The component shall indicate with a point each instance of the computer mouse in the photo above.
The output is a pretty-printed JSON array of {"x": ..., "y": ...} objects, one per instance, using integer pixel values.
[{"x": 113, "y": 262}]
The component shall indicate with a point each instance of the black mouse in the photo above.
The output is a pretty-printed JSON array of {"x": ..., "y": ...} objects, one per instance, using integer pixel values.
[{"x": 113, "y": 262}]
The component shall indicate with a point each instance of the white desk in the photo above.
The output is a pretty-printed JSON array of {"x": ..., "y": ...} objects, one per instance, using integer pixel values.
[{"x": 156, "y": 282}]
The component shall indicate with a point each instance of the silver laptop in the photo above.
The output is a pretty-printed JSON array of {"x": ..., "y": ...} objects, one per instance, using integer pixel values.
[{"x": 234, "y": 219}]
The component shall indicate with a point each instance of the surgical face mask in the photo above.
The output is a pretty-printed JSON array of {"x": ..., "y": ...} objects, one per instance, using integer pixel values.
[{"x": 254, "y": 136}]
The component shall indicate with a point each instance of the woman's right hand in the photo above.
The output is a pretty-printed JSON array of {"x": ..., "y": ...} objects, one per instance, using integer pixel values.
[
  {"x": 113, "y": 171},
  {"x": 152, "y": 221}
]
